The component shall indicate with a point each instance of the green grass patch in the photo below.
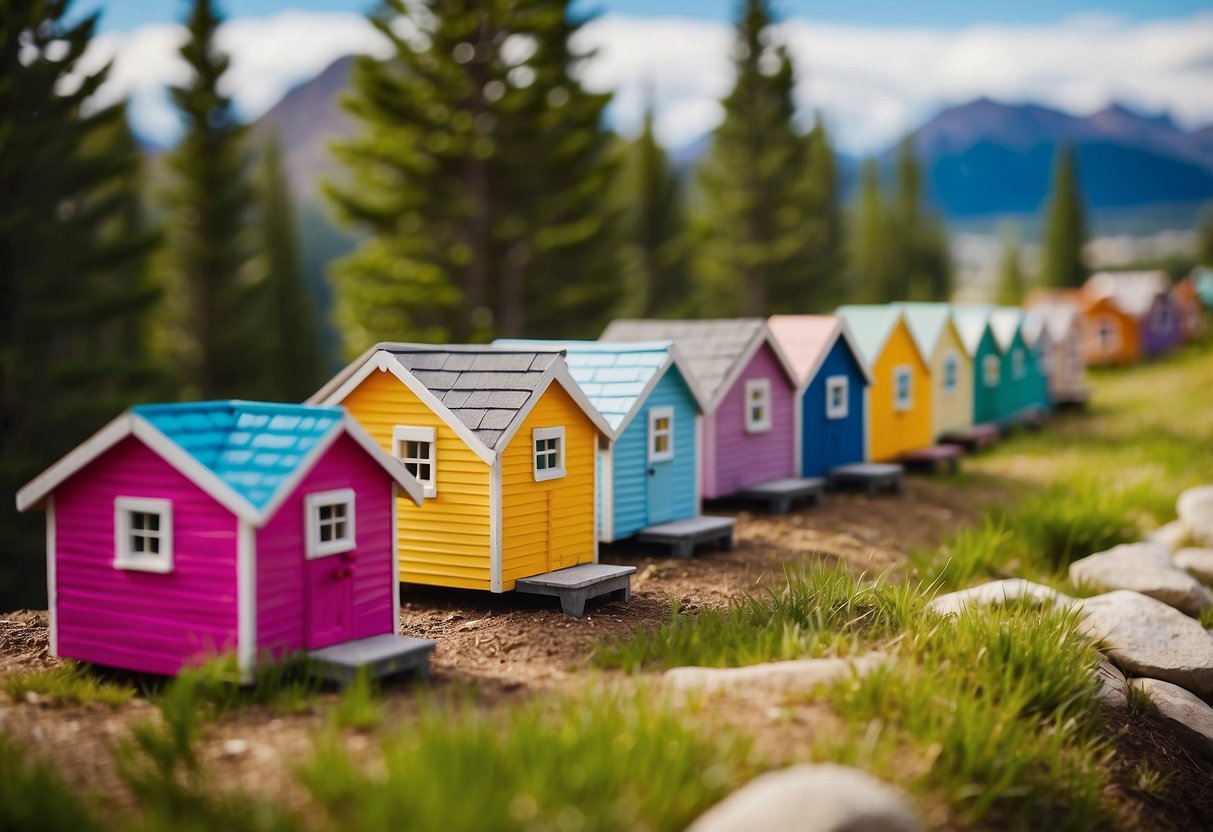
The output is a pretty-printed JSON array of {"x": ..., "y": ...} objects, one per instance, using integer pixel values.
[
  {"x": 601, "y": 761},
  {"x": 820, "y": 610},
  {"x": 33, "y": 796},
  {"x": 69, "y": 682},
  {"x": 359, "y": 706}
]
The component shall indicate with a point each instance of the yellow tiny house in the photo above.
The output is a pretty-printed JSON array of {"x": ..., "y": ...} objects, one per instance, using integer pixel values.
[{"x": 505, "y": 445}]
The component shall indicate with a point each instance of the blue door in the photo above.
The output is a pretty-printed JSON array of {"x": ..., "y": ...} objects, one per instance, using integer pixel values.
[{"x": 661, "y": 464}]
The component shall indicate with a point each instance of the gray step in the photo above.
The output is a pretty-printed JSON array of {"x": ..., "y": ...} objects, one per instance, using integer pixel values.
[
  {"x": 577, "y": 584},
  {"x": 779, "y": 494},
  {"x": 382, "y": 655},
  {"x": 682, "y": 536},
  {"x": 872, "y": 476}
]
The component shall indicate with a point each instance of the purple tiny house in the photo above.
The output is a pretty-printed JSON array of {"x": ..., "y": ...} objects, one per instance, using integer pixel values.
[
  {"x": 1146, "y": 297},
  {"x": 182, "y": 530},
  {"x": 749, "y": 434}
]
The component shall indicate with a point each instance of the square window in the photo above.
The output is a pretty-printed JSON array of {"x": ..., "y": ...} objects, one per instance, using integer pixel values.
[
  {"x": 1017, "y": 365},
  {"x": 837, "y": 390},
  {"x": 548, "y": 444},
  {"x": 950, "y": 369},
  {"x": 143, "y": 534},
  {"x": 1108, "y": 333},
  {"x": 661, "y": 434},
  {"x": 329, "y": 519},
  {"x": 758, "y": 405},
  {"x": 991, "y": 370},
  {"x": 416, "y": 448},
  {"x": 903, "y": 388}
]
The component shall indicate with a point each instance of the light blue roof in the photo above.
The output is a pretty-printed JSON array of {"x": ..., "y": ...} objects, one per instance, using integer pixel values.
[
  {"x": 254, "y": 447},
  {"x": 613, "y": 375},
  {"x": 973, "y": 321},
  {"x": 927, "y": 323},
  {"x": 871, "y": 327}
]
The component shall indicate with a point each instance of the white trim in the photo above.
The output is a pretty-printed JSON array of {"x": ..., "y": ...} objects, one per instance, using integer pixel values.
[
  {"x": 429, "y": 436},
  {"x": 951, "y": 359},
  {"x": 32, "y": 493},
  {"x": 316, "y": 548},
  {"x": 296, "y": 478},
  {"x": 52, "y": 583},
  {"x": 160, "y": 562},
  {"x": 496, "y": 581},
  {"x": 655, "y": 413},
  {"x": 867, "y": 422},
  {"x": 608, "y": 493},
  {"x": 594, "y": 524},
  {"x": 543, "y": 435},
  {"x": 906, "y": 371},
  {"x": 386, "y": 461},
  {"x": 762, "y": 335},
  {"x": 395, "y": 574},
  {"x": 833, "y": 383},
  {"x": 798, "y": 430},
  {"x": 246, "y": 601},
  {"x": 760, "y": 386},
  {"x": 698, "y": 463}
]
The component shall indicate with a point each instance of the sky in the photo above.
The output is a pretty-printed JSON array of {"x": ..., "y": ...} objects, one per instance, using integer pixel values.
[{"x": 873, "y": 70}]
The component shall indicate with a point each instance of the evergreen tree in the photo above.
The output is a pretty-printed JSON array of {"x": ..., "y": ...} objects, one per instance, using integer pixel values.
[
  {"x": 477, "y": 178},
  {"x": 873, "y": 265},
  {"x": 757, "y": 186},
  {"x": 658, "y": 243},
  {"x": 72, "y": 290},
  {"x": 1011, "y": 284},
  {"x": 1204, "y": 239},
  {"x": 919, "y": 239},
  {"x": 823, "y": 229},
  {"x": 296, "y": 364},
  {"x": 222, "y": 348},
  {"x": 1065, "y": 226}
]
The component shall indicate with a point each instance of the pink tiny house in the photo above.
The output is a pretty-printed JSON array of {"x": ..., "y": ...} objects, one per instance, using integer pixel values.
[{"x": 183, "y": 530}]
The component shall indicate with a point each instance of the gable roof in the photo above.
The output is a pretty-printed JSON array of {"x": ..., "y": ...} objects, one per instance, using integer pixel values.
[
  {"x": 483, "y": 393},
  {"x": 928, "y": 322},
  {"x": 1035, "y": 327},
  {"x": 716, "y": 350},
  {"x": 806, "y": 340},
  {"x": 248, "y": 456},
  {"x": 873, "y": 325},
  {"x": 616, "y": 377},
  {"x": 1134, "y": 292},
  {"x": 1006, "y": 322},
  {"x": 1061, "y": 313},
  {"x": 973, "y": 321}
]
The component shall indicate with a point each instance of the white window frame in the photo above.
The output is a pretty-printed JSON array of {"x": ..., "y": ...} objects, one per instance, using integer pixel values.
[
  {"x": 311, "y": 518},
  {"x": 907, "y": 372},
  {"x": 655, "y": 415},
  {"x": 124, "y": 556},
  {"x": 408, "y": 433},
  {"x": 838, "y": 383},
  {"x": 991, "y": 370},
  {"x": 1019, "y": 366},
  {"x": 546, "y": 474},
  {"x": 1111, "y": 326},
  {"x": 951, "y": 372},
  {"x": 761, "y": 386}
]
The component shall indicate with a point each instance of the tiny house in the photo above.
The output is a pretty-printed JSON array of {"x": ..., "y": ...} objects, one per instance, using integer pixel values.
[
  {"x": 504, "y": 444},
  {"x": 900, "y": 398},
  {"x": 1192, "y": 324},
  {"x": 1065, "y": 367},
  {"x": 991, "y": 403},
  {"x": 834, "y": 383},
  {"x": 935, "y": 332},
  {"x": 183, "y": 530},
  {"x": 1023, "y": 380},
  {"x": 1043, "y": 349},
  {"x": 1111, "y": 336},
  {"x": 749, "y": 397},
  {"x": 1146, "y": 298}
]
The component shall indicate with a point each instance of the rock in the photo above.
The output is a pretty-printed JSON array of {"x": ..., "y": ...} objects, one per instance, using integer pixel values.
[
  {"x": 1191, "y": 718},
  {"x": 998, "y": 592},
  {"x": 1113, "y": 688},
  {"x": 235, "y": 748},
  {"x": 1146, "y": 568},
  {"x": 1173, "y": 535},
  {"x": 811, "y": 798},
  {"x": 1146, "y": 637},
  {"x": 770, "y": 678},
  {"x": 1195, "y": 510},
  {"x": 1196, "y": 562}
]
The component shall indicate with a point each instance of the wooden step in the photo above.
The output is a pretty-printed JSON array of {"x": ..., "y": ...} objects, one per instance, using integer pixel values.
[
  {"x": 577, "y": 584},
  {"x": 382, "y": 655},
  {"x": 870, "y": 476},
  {"x": 682, "y": 536},
  {"x": 781, "y": 493}
]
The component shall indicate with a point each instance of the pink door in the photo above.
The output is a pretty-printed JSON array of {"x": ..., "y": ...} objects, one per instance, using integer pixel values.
[{"x": 330, "y": 599}]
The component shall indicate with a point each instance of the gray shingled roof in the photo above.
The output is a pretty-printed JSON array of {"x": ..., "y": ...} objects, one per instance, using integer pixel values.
[
  {"x": 485, "y": 387},
  {"x": 710, "y": 348}
]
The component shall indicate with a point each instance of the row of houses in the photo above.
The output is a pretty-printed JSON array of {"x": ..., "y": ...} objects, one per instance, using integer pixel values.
[{"x": 182, "y": 530}]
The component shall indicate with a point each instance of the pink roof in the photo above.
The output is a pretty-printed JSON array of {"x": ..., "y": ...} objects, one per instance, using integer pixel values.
[{"x": 803, "y": 339}]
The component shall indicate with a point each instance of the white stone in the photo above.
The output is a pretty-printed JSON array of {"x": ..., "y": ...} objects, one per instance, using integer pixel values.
[
  {"x": 1196, "y": 562},
  {"x": 1113, "y": 688},
  {"x": 1146, "y": 568},
  {"x": 1192, "y": 718},
  {"x": 1195, "y": 510},
  {"x": 1146, "y": 637},
  {"x": 235, "y": 748},
  {"x": 771, "y": 678},
  {"x": 998, "y": 592},
  {"x": 1173, "y": 535},
  {"x": 811, "y": 798}
]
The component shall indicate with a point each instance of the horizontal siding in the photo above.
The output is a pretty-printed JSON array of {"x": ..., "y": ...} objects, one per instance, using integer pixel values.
[
  {"x": 142, "y": 621},
  {"x": 951, "y": 411},
  {"x": 445, "y": 542},
  {"x": 744, "y": 459},
  {"x": 548, "y": 525},
  {"x": 827, "y": 443},
  {"x": 893, "y": 432}
]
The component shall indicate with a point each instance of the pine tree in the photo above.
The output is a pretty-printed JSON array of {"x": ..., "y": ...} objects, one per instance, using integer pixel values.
[
  {"x": 658, "y": 243},
  {"x": 478, "y": 179},
  {"x": 823, "y": 229},
  {"x": 72, "y": 290},
  {"x": 757, "y": 188},
  {"x": 1065, "y": 226},
  {"x": 873, "y": 267},
  {"x": 1011, "y": 284},
  {"x": 222, "y": 347},
  {"x": 296, "y": 364},
  {"x": 919, "y": 238}
]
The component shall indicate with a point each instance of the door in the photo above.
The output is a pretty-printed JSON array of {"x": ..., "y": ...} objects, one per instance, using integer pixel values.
[
  {"x": 660, "y": 481},
  {"x": 330, "y": 599}
]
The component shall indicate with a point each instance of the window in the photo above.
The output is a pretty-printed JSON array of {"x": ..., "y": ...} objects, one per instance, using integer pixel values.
[
  {"x": 950, "y": 365},
  {"x": 1017, "y": 368},
  {"x": 991, "y": 370},
  {"x": 837, "y": 403},
  {"x": 143, "y": 534},
  {"x": 415, "y": 448},
  {"x": 330, "y": 522},
  {"x": 903, "y": 388},
  {"x": 549, "y": 453},
  {"x": 1162, "y": 317},
  {"x": 661, "y": 434},
  {"x": 1108, "y": 334},
  {"x": 758, "y": 405}
]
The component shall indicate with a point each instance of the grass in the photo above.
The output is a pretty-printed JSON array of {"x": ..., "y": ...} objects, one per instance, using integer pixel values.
[
  {"x": 359, "y": 706},
  {"x": 33, "y": 796},
  {"x": 69, "y": 682}
]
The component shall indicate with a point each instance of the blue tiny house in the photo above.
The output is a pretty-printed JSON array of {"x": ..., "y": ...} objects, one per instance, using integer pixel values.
[
  {"x": 649, "y": 473},
  {"x": 833, "y": 390}
]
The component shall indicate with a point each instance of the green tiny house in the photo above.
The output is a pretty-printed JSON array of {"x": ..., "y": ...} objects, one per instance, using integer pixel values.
[{"x": 990, "y": 398}]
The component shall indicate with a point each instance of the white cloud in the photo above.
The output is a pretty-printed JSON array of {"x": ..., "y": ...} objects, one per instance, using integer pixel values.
[{"x": 871, "y": 83}]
